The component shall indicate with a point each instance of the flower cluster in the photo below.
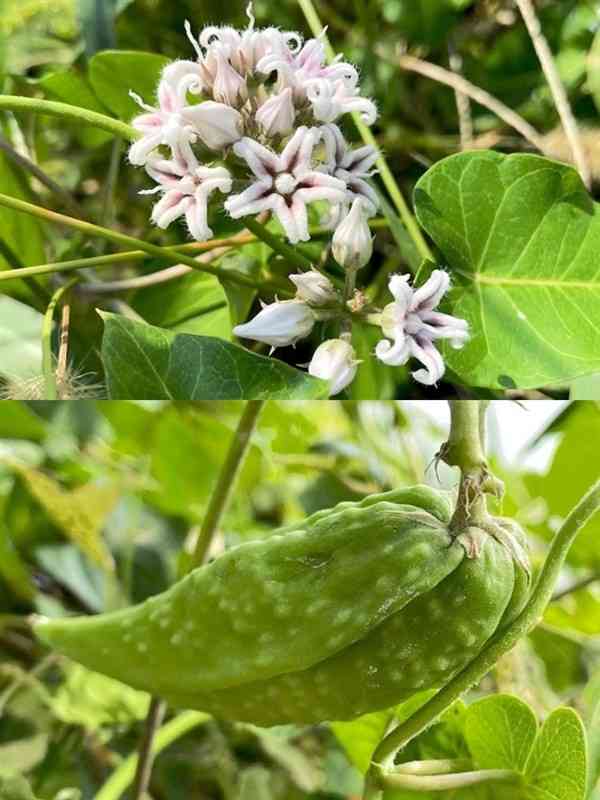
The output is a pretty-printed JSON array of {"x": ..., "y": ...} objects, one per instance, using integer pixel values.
[
  {"x": 254, "y": 118},
  {"x": 410, "y": 321}
]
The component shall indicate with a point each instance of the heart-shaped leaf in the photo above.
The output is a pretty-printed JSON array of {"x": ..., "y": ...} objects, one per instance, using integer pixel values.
[
  {"x": 143, "y": 362},
  {"x": 521, "y": 237}
]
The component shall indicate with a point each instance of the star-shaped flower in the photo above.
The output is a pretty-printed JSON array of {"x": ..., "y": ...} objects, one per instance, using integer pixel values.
[
  {"x": 350, "y": 165},
  {"x": 413, "y": 325},
  {"x": 285, "y": 183},
  {"x": 186, "y": 187}
]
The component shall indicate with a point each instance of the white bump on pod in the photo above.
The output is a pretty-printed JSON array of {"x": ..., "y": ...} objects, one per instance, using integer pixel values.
[
  {"x": 127, "y": 638},
  {"x": 165, "y": 622},
  {"x": 442, "y": 663},
  {"x": 266, "y": 638},
  {"x": 177, "y": 638},
  {"x": 142, "y": 647},
  {"x": 412, "y": 575}
]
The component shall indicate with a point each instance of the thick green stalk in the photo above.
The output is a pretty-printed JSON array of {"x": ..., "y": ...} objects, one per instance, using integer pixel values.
[
  {"x": 124, "y": 774},
  {"x": 293, "y": 254},
  {"x": 73, "y": 113},
  {"x": 166, "y": 254},
  {"x": 410, "y": 223},
  {"x": 440, "y": 783},
  {"x": 225, "y": 484},
  {"x": 587, "y": 506}
]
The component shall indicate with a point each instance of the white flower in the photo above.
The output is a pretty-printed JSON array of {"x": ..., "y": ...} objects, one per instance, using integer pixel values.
[
  {"x": 314, "y": 288},
  {"x": 186, "y": 187},
  {"x": 276, "y": 115},
  {"x": 228, "y": 86},
  {"x": 285, "y": 183},
  {"x": 350, "y": 166},
  {"x": 279, "y": 324},
  {"x": 334, "y": 361},
  {"x": 331, "y": 99},
  {"x": 167, "y": 124},
  {"x": 414, "y": 326},
  {"x": 352, "y": 243}
]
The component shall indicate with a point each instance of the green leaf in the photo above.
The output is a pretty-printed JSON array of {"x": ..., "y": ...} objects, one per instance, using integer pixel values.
[
  {"x": 520, "y": 235},
  {"x": 147, "y": 363},
  {"x": 556, "y": 767},
  {"x": 195, "y": 304},
  {"x": 360, "y": 737},
  {"x": 500, "y": 731},
  {"x": 17, "y": 420},
  {"x": 593, "y": 70},
  {"x": 15, "y": 787},
  {"x": 585, "y": 388},
  {"x": 72, "y": 87},
  {"x": 20, "y": 332},
  {"x": 591, "y": 697},
  {"x": 113, "y": 73}
]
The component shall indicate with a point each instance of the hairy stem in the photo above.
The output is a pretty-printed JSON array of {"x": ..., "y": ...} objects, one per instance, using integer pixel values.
[
  {"x": 67, "y": 111},
  {"x": 561, "y": 101},
  {"x": 226, "y": 480},
  {"x": 541, "y": 595},
  {"x": 314, "y": 23}
]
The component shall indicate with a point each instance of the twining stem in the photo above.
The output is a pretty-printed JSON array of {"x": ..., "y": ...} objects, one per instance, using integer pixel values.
[
  {"x": 26, "y": 164},
  {"x": 124, "y": 774},
  {"x": 166, "y": 254},
  {"x": 47, "y": 355},
  {"x": 561, "y": 101},
  {"x": 410, "y": 223},
  {"x": 156, "y": 713},
  {"x": 74, "y": 113},
  {"x": 459, "y": 780},
  {"x": 438, "y": 766},
  {"x": 225, "y": 484},
  {"x": 541, "y": 595},
  {"x": 217, "y": 505}
]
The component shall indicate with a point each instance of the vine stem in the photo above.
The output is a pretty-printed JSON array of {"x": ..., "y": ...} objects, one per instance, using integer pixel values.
[
  {"x": 314, "y": 23},
  {"x": 448, "y": 782},
  {"x": 166, "y": 254},
  {"x": 217, "y": 505},
  {"x": 74, "y": 113},
  {"x": 541, "y": 595},
  {"x": 225, "y": 484},
  {"x": 561, "y": 101}
]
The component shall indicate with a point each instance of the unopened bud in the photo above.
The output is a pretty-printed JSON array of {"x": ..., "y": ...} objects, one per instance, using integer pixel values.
[
  {"x": 276, "y": 115},
  {"x": 352, "y": 245},
  {"x": 216, "y": 124},
  {"x": 279, "y": 324},
  {"x": 314, "y": 288},
  {"x": 334, "y": 361}
]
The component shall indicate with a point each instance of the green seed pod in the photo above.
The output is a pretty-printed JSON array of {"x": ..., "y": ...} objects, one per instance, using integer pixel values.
[
  {"x": 272, "y": 606},
  {"x": 354, "y": 610}
]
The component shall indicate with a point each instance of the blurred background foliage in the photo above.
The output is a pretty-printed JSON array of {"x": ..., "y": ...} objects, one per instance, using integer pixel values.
[
  {"x": 100, "y": 504},
  {"x": 65, "y": 50}
]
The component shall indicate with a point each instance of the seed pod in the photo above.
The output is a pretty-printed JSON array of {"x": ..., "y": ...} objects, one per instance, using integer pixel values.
[
  {"x": 354, "y": 610},
  {"x": 272, "y": 606}
]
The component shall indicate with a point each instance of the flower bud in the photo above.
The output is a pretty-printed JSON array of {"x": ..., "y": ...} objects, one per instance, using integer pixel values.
[
  {"x": 352, "y": 245},
  {"x": 314, "y": 288},
  {"x": 229, "y": 87},
  {"x": 334, "y": 361},
  {"x": 216, "y": 124},
  {"x": 279, "y": 324},
  {"x": 276, "y": 115}
]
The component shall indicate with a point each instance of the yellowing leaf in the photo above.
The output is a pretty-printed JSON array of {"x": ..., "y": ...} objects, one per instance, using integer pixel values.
[{"x": 80, "y": 513}]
